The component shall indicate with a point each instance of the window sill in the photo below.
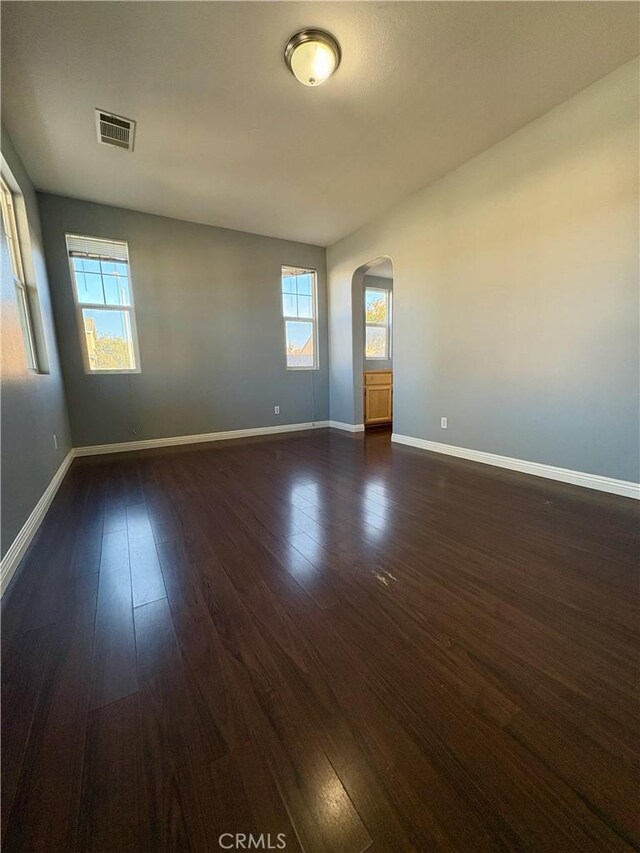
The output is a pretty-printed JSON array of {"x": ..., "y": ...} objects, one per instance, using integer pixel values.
[
  {"x": 298, "y": 369},
  {"x": 109, "y": 372}
]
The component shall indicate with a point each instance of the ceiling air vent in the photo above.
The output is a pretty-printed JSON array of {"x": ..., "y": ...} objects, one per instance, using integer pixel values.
[{"x": 115, "y": 130}]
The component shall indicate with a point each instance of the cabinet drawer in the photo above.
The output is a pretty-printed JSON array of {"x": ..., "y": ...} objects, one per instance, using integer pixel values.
[{"x": 378, "y": 377}]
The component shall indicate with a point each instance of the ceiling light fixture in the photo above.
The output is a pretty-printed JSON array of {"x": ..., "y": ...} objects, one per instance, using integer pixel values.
[{"x": 312, "y": 56}]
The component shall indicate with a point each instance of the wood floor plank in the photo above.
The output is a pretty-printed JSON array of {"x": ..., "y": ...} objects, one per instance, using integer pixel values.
[
  {"x": 182, "y": 742},
  {"x": 354, "y": 644},
  {"x": 39, "y": 598},
  {"x": 24, "y": 665},
  {"x": 378, "y": 761},
  {"x": 114, "y": 814},
  {"x": 114, "y": 659},
  {"x": 146, "y": 576},
  {"x": 46, "y": 806},
  {"x": 160, "y": 661}
]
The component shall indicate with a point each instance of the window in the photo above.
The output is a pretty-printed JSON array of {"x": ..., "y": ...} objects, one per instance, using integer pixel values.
[
  {"x": 104, "y": 303},
  {"x": 300, "y": 312},
  {"x": 377, "y": 311},
  {"x": 10, "y": 225}
]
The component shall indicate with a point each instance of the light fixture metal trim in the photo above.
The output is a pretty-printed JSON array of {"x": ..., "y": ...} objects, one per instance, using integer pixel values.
[{"x": 312, "y": 35}]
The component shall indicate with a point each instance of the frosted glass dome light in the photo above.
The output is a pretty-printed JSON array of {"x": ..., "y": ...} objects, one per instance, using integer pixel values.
[{"x": 312, "y": 56}]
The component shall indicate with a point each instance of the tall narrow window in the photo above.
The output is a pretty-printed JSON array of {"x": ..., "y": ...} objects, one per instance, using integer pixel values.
[
  {"x": 10, "y": 227},
  {"x": 300, "y": 312},
  {"x": 104, "y": 303},
  {"x": 377, "y": 310}
]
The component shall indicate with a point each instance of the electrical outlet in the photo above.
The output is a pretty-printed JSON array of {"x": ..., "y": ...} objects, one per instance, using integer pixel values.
[
  {"x": 443, "y": 423},
  {"x": 55, "y": 441},
  {"x": 276, "y": 410}
]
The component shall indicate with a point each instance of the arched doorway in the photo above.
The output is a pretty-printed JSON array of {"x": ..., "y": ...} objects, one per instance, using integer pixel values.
[{"x": 372, "y": 335}]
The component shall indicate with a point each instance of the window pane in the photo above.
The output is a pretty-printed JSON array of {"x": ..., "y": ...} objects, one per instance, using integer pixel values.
[
  {"x": 111, "y": 290},
  {"x": 116, "y": 288},
  {"x": 289, "y": 305},
  {"x": 299, "y": 344},
  {"x": 91, "y": 266},
  {"x": 92, "y": 291},
  {"x": 100, "y": 287},
  {"x": 89, "y": 287},
  {"x": 109, "y": 339},
  {"x": 304, "y": 284},
  {"x": 80, "y": 283},
  {"x": 305, "y": 308},
  {"x": 375, "y": 304},
  {"x": 376, "y": 345},
  {"x": 289, "y": 284}
]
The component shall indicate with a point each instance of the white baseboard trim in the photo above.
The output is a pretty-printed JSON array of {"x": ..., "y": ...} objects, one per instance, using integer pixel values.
[
  {"x": 224, "y": 435},
  {"x": 346, "y": 427},
  {"x": 16, "y": 551},
  {"x": 577, "y": 478}
]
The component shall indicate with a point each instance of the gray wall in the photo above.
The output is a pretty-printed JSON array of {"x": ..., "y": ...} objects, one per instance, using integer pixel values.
[
  {"x": 33, "y": 405},
  {"x": 385, "y": 284},
  {"x": 516, "y": 293},
  {"x": 210, "y": 329}
]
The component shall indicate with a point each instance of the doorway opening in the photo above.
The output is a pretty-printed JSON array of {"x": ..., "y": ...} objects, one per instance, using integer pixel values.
[{"x": 373, "y": 344}]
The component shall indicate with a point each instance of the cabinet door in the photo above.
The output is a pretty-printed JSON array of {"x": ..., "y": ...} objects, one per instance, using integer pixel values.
[{"x": 377, "y": 404}]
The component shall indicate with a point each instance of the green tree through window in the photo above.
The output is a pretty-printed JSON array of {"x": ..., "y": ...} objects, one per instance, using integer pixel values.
[{"x": 377, "y": 319}]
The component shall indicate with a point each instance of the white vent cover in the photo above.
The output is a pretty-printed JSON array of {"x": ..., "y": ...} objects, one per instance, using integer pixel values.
[{"x": 115, "y": 130}]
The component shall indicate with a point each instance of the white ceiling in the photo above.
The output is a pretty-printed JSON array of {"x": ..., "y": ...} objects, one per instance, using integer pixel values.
[{"x": 227, "y": 136}]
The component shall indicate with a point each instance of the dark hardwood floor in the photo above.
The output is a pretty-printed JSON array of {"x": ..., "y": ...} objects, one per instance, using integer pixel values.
[{"x": 359, "y": 645}]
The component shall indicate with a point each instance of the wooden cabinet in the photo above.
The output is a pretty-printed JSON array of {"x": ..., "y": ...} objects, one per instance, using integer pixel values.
[{"x": 378, "y": 396}]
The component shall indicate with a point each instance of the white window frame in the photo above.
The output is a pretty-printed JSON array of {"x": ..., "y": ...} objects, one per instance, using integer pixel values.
[
  {"x": 99, "y": 306},
  {"x": 10, "y": 219},
  {"x": 313, "y": 320},
  {"x": 387, "y": 325}
]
